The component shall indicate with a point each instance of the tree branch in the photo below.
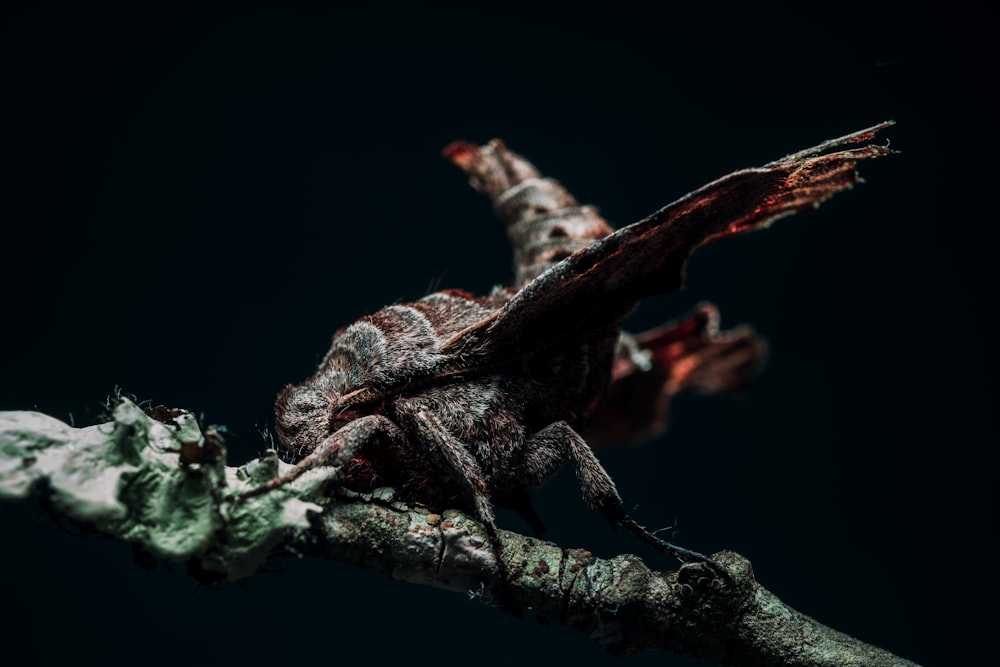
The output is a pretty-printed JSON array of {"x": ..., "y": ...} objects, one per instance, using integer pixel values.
[{"x": 164, "y": 486}]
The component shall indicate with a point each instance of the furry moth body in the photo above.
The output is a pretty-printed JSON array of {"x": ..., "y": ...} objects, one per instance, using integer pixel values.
[{"x": 470, "y": 401}]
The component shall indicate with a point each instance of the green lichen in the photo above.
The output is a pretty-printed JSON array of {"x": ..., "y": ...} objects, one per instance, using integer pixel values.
[{"x": 126, "y": 478}]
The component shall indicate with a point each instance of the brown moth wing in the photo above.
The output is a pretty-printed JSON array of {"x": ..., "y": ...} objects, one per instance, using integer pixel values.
[
  {"x": 545, "y": 224},
  {"x": 597, "y": 286},
  {"x": 690, "y": 354}
]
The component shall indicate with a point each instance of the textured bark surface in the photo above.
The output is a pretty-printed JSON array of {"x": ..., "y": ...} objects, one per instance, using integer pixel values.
[
  {"x": 143, "y": 480},
  {"x": 619, "y": 602}
]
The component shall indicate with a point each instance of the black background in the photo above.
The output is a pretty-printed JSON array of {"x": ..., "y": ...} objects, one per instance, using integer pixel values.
[{"x": 194, "y": 200}]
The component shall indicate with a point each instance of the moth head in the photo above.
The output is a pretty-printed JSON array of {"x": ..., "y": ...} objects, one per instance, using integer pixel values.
[{"x": 304, "y": 416}]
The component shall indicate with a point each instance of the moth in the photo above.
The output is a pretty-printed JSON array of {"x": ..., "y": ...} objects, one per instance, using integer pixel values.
[{"x": 472, "y": 402}]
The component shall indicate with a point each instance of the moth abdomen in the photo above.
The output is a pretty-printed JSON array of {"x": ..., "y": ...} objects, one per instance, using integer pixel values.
[
  {"x": 545, "y": 224},
  {"x": 541, "y": 240}
]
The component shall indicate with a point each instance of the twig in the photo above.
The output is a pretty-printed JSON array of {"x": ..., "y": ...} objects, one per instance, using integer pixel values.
[{"x": 144, "y": 481}]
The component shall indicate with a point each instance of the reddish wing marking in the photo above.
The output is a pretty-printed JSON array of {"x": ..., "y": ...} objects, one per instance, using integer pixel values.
[
  {"x": 601, "y": 282},
  {"x": 691, "y": 354}
]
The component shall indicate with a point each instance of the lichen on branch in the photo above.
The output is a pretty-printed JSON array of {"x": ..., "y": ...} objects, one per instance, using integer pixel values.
[
  {"x": 164, "y": 486},
  {"x": 127, "y": 478}
]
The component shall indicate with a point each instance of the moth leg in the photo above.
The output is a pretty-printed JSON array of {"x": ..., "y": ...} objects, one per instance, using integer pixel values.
[
  {"x": 547, "y": 450},
  {"x": 335, "y": 450},
  {"x": 600, "y": 493},
  {"x": 461, "y": 462}
]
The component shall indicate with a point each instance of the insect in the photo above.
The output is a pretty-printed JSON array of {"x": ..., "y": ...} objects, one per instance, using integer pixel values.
[{"x": 474, "y": 401}]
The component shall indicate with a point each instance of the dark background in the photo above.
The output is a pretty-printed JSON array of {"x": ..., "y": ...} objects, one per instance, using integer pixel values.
[{"x": 194, "y": 200}]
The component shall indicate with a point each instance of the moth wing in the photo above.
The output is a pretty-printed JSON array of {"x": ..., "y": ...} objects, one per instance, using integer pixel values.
[
  {"x": 595, "y": 287},
  {"x": 690, "y": 354}
]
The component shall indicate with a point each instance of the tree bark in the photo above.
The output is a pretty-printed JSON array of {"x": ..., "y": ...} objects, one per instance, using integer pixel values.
[{"x": 164, "y": 487}]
